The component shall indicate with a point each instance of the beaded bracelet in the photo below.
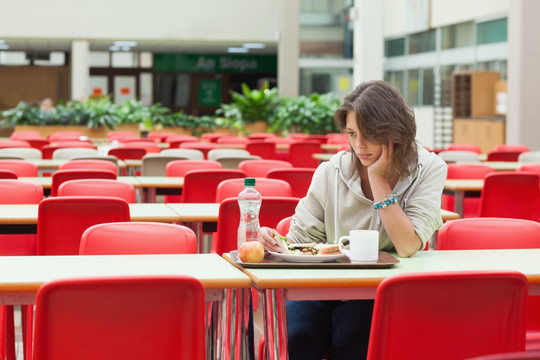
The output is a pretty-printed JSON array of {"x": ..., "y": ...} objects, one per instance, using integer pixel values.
[{"x": 390, "y": 199}]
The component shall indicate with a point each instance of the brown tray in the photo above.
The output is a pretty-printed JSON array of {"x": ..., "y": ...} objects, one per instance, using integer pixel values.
[{"x": 385, "y": 260}]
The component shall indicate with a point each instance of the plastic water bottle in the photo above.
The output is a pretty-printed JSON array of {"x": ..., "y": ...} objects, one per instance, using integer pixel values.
[{"x": 249, "y": 201}]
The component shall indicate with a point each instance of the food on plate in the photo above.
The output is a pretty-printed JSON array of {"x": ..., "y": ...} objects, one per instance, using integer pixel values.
[
  {"x": 251, "y": 252},
  {"x": 307, "y": 249}
]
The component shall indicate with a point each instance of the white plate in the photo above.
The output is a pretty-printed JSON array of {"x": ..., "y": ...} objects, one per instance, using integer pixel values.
[{"x": 306, "y": 258}]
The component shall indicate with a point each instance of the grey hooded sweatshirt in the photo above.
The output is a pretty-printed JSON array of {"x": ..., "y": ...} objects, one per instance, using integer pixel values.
[{"x": 336, "y": 204}]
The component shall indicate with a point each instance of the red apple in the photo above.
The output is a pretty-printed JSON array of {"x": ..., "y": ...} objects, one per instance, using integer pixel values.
[{"x": 251, "y": 252}]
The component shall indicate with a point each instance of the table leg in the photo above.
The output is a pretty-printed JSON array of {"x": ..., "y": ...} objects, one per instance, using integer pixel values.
[
  {"x": 459, "y": 198},
  {"x": 275, "y": 323}
]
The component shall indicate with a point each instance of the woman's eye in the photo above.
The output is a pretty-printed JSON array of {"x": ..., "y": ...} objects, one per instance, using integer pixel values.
[{"x": 351, "y": 133}]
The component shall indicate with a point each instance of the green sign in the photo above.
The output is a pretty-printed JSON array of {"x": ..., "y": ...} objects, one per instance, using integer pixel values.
[
  {"x": 209, "y": 92},
  {"x": 215, "y": 63}
]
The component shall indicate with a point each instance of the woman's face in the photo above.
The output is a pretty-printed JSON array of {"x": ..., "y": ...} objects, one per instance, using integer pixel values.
[{"x": 366, "y": 151}]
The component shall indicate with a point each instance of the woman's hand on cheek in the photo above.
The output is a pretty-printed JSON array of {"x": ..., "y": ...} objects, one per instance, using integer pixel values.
[{"x": 382, "y": 166}]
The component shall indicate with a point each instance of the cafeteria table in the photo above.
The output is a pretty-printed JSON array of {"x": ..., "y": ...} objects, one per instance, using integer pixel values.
[
  {"x": 226, "y": 288},
  {"x": 286, "y": 282},
  {"x": 51, "y": 165},
  {"x": 46, "y": 182},
  {"x": 459, "y": 188},
  {"x": 159, "y": 185}
]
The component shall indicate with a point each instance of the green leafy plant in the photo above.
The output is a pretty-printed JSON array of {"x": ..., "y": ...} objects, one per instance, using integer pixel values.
[
  {"x": 250, "y": 105},
  {"x": 22, "y": 114},
  {"x": 101, "y": 112},
  {"x": 306, "y": 114}
]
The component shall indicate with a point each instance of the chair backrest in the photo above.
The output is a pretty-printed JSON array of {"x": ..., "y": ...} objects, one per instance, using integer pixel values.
[
  {"x": 273, "y": 210},
  {"x": 25, "y": 134},
  {"x": 534, "y": 168},
  {"x": 21, "y": 168},
  {"x": 181, "y": 167},
  {"x": 89, "y": 164},
  {"x": 62, "y": 220},
  {"x": 230, "y": 139},
  {"x": 110, "y": 158},
  {"x": 37, "y": 143},
  {"x": 459, "y": 155},
  {"x": 102, "y": 318},
  {"x": 7, "y": 174},
  {"x": 175, "y": 141},
  {"x": 200, "y": 186},
  {"x": 128, "y": 153},
  {"x": 155, "y": 164},
  {"x": 204, "y": 147},
  {"x": 215, "y": 153},
  {"x": 489, "y": 233},
  {"x": 63, "y": 135},
  {"x": 301, "y": 154},
  {"x": 283, "y": 225},
  {"x": 124, "y": 238},
  {"x": 68, "y": 153},
  {"x": 119, "y": 135},
  {"x": 298, "y": 178},
  {"x": 232, "y": 161},
  {"x": 160, "y": 136},
  {"x": 98, "y": 187},
  {"x": 20, "y": 192},
  {"x": 464, "y": 147},
  {"x": 529, "y": 157},
  {"x": 264, "y": 149},
  {"x": 511, "y": 194},
  {"x": 60, "y": 176},
  {"x": 267, "y": 187},
  {"x": 260, "y": 168},
  {"x": 211, "y": 136},
  {"x": 24, "y": 153},
  {"x": 149, "y": 145},
  {"x": 191, "y": 154},
  {"x": 460, "y": 314},
  {"x": 508, "y": 147},
  {"x": 496, "y": 155},
  {"x": 14, "y": 144}
]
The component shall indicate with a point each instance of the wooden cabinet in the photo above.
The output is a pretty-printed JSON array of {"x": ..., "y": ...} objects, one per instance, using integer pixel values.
[
  {"x": 486, "y": 133},
  {"x": 473, "y": 109}
]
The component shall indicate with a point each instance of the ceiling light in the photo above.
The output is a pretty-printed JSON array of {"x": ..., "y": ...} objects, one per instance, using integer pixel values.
[
  {"x": 114, "y": 48},
  {"x": 239, "y": 50},
  {"x": 254, "y": 45},
  {"x": 126, "y": 43}
]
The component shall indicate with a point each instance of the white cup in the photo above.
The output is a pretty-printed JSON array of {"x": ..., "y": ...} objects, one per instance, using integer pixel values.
[{"x": 363, "y": 244}]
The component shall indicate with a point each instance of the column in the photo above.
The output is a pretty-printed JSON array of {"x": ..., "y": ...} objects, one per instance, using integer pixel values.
[
  {"x": 80, "y": 69},
  {"x": 523, "y": 81},
  {"x": 289, "y": 48},
  {"x": 368, "y": 42}
]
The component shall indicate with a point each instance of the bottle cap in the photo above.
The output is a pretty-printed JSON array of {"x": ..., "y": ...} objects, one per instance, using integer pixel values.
[{"x": 249, "y": 182}]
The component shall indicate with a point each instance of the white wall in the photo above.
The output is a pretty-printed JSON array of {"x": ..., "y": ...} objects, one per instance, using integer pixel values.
[
  {"x": 201, "y": 20},
  {"x": 424, "y": 125},
  {"x": 444, "y": 12}
]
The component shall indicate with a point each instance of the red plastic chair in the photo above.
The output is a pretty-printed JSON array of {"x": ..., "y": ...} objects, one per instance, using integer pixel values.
[
  {"x": 212, "y": 136},
  {"x": 283, "y": 225},
  {"x": 136, "y": 317},
  {"x": 14, "y": 144},
  {"x": 149, "y": 146},
  {"x": 37, "y": 143},
  {"x": 267, "y": 187},
  {"x": 8, "y": 174},
  {"x": 511, "y": 194},
  {"x": 181, "y": 167},
  {"x": 533, "y": 168},
  {"x": 301, "y": 154},
  {"x": 119, "y": 135},
  {"x": 160, "y": 136},
  {"x": 128, "y": 153},
  {"x": 503, "y": 155},
  {"x": 471, "y": 205},
  {"x": 260, "y": 168},
  {"x": 261, "y": 136},
  {"x": 89, "y": 164},
  {"x": 200, "y": 186},
  {"x": 21, "y": 168},
  {"x": 15, "y": 192},
  {"x": 517, "y": 355},
  {"x": 60, "y": 176},
  {"x": 464, "y": 147},
  {"x": 262, "y": 148},
  {"x": 272, "y": 211},
  {"x": 460, "y": 314},
  {"x": 205, "y": 147},
  {"x": 125, "y": 238},
  {"x": 497, "y": 233},
  {"x": 25, "y": 134},
  {"x": 64, "y": 135},
  {"x": 175, "y": 141},
  {"x": 298, "y": 178},
  {"x": 234, "y": 140},
  {"x": 98, "y": 187},
  {"x": 506, "y": 147}
]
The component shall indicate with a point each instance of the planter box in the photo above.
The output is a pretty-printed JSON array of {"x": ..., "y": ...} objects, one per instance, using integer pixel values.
[{"x": 101, "y": 132}]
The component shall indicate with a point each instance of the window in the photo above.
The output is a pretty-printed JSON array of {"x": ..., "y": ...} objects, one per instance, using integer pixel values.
[
  {"x": 458, "y": 35},
  {"x": 394, "y": 47},
  {"x": 492, "y": 31},
  {"x": 422, "y": 42},
  {"x": 395, "y": 78},
  {"x": 414, "y": 87}
]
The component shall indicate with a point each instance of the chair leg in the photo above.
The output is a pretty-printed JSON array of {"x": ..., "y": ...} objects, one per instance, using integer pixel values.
[{"x": 27, "y": 324}]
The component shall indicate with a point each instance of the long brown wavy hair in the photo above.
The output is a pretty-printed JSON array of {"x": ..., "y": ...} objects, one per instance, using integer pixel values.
[{"x": 382, "y": 117}]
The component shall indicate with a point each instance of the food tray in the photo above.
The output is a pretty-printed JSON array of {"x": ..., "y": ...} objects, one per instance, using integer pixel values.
[{"x": 385, "y": 260}]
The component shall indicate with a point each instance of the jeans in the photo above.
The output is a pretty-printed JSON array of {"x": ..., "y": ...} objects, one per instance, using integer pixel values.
[{"x": 336, "y": 328}]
